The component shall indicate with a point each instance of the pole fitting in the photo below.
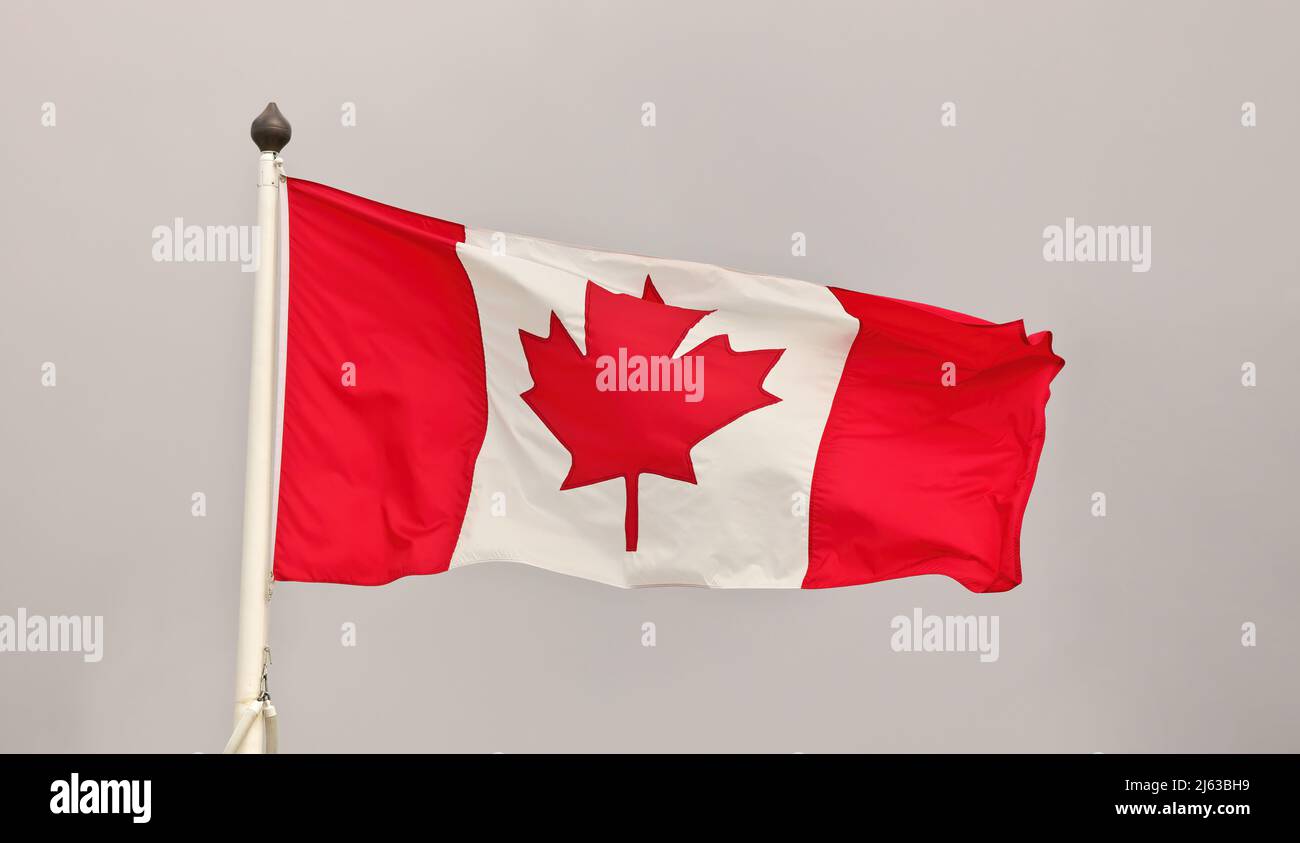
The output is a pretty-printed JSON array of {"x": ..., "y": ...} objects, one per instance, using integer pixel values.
[
  {"x": 271, "y": 131},
  {"x": 263, "y": 692}
]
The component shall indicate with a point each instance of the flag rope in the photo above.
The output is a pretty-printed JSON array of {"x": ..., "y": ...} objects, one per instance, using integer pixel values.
[
  {"x": 260, "y": 707},
  {"x": 251, "y": 713}
]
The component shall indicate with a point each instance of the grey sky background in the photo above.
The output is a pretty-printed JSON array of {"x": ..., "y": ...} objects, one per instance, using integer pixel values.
[{"x": 771, "y": 118}]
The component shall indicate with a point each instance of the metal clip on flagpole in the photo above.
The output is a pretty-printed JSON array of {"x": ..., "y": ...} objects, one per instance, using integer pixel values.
[{"x": 255, "y": 730}]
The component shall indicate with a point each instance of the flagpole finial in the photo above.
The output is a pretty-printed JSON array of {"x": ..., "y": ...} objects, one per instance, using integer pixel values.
[{"x": 271, "y": 132}]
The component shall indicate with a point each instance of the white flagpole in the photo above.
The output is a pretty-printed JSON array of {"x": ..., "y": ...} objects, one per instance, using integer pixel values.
[{"x": 271, "y": 133}]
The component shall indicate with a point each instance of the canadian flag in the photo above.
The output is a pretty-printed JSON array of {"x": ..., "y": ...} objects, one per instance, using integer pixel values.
[{"x": 452, "y": 396}]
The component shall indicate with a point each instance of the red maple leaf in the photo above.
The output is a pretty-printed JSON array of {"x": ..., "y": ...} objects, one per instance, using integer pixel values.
[{"x": 629, "y": 407}]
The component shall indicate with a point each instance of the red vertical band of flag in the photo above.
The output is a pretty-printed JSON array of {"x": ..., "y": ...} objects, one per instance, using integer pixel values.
[
  {"x": 918, "y": 476},
  {"x": 375, "y": 478}
]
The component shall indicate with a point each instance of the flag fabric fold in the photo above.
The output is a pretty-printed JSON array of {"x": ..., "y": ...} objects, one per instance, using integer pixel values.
[{"x": 453, "y": 395}]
